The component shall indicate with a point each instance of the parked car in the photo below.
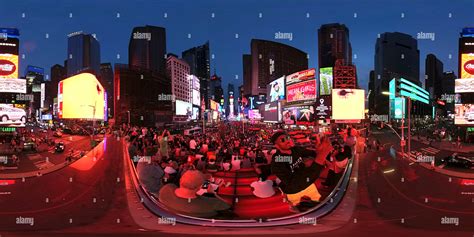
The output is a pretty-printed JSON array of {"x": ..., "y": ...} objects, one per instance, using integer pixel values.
[
  {"x": 60, "y": 147},
  {"x": 30, "y": 145},
  {"x": 458, "y": 161},
  {"x": 12, "y": 114}
]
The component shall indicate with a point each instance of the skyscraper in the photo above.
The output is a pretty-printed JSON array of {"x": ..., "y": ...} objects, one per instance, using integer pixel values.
[
  {"x": 58, "y": 73},
  {"x": 217, "y": 91},
  {"x": 141, "y": 97},
  {"x": 396, "y": 55},
  {"x": 247, "y": 74},
  {"x": 371, "y": 91},
  {"x": 107, "y": 80},
  {"x": 434, "y": 76},
  {"x": 83, "y": 54},
  {"x": 178, "y": 70},
  {"x": 333, "y": 44},
  {"x": 147, "y": 48},
  {"x": 198, "y": 60},
  {"x": 269, "y": 61}
]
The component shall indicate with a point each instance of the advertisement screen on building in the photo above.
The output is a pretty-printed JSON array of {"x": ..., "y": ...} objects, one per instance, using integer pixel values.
[
  {"x": 11, "y": 116},
  {"x": 464, "y": 85},
  {"x": 254, "y": 114},
  {"x": 81, "y": 97},
  {"x": 195, "y": 84},
  {"x": 196, "y": 97},
  {"x": 276, "y": 90},
  {"x": 271, "y": 112},
  {"x": 301, "y": 91},
  {"x": 195, "y": 113},
  {"x": 323, "y": 107},
  {"x": 348, "y": 104},
  {"x": 301, "y": 76},
  {"x": 397, "y": 108},
  {"x": 214, "y": 105},
  {"x": 467, "y": 65},
  {"x": 325, "y": 80},
  {"x": 464, "y": 114},
  {"x": 304, "y": 114},
  {"x": 12, "y": 86},
  {"x": 8, "y": 66},
  {"x": 183, "y": 108}
]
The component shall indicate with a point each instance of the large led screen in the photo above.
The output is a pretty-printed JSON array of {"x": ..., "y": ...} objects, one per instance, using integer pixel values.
[
  {"x": 301, "y": 91},
  {"x": 11, "y": 116},
  {"x": 464, "y": 114},
  {"x": 325, "y": 80},
  {"x": 183, "y": 108},
  {"x": 13, "y": 86},
  {"x": 467, "y": 65},
  {"x": 348, "y": 104},
  {"x": 8, "y": 66},
  {"x": 196, "y": 97},
  {"x": 299, "y": 114},
  {"x": 276, "y": 90},
  {"x": 464, "y": 85},
  {"x": 81, "y": 97}
]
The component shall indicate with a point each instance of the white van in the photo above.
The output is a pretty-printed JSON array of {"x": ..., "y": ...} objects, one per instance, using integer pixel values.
[{"x": 192, "y": 131}]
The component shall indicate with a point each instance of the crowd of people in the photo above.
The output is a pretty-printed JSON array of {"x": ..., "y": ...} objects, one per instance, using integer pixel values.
[{"x": 178, "y": 170}]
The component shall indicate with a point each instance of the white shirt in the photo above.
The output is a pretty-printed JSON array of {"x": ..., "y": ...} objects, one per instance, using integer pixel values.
[
  {"x": 263, "y": 189},
  {"x": 192, "y": 144}
]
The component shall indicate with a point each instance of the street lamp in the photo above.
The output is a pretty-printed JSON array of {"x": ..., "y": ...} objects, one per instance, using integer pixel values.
[{"x": 402, "y": 143}]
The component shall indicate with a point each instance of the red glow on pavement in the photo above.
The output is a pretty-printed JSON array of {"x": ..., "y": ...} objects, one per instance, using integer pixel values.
[
  {"x": 7, "y": 182},
  {"x": 467, "y": 182},
  {"x": 90, "y": 159}
]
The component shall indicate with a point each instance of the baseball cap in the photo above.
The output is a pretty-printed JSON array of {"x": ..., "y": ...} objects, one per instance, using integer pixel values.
[{"x": 276, "y": 135}]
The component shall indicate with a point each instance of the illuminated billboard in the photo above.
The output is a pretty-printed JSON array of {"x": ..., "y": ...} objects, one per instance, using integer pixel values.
[
  {"x": 301, "y": 76},
  {"x": 403, "y": 87},
  {"x": 271, "y": 112},
  {"x": 81, "y": 97},
  {"x": 467, "y": 65},
  {"x": 13, "y": 86},
  {"x": 464, "y": 114},
  {"x": 325, "y": 80},
  {"x": 196, "y": 97},
  {"x": 276, "y": 90},
  {"x": 10, "y": 116},
  {"x": 183, "y": 108},
  {"x": 348, "y": 104},
  {"x": 301, "y": 91},
  {"x": 463, "y": 85},
  {"x": 195, "y": 114},
  {"x": 8, "y": 66},
  {"x": 324, "y": 107},
  {"x": 304, "y": 114},
  {"x": 194, "y": 82},
  {"x": 397, "y": 108},
  {"x": 214, "y": 105}
]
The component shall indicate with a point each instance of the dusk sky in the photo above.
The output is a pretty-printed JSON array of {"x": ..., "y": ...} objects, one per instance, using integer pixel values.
[{"x": 112, "y": 22}]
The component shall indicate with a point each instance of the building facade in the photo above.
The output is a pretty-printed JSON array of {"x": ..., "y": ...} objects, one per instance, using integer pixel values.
[
  {"x": 83, "y": 54},
  {"x": 147, "y": 48},
  {"x": 198, "y": 59},
  {"x": 333, "y": 44}
]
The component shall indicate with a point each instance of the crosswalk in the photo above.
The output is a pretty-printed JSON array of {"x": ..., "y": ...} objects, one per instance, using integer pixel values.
[
  {"x": 43, "y": 164},
  {"x": 430, "y": 150}
]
